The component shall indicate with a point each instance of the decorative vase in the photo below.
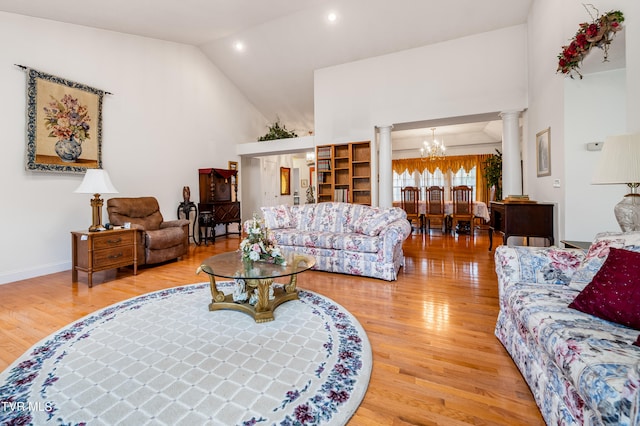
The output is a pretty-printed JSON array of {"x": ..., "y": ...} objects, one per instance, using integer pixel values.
[
  {"x": 68, "y": 149},
  {"x": 627, "y": 212}
]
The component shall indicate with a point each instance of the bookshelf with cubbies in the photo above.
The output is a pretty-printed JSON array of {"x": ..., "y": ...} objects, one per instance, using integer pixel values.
[{"x": 344, "y": 172}]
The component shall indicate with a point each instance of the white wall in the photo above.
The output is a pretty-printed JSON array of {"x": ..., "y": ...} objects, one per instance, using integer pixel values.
[
  {"x": 473, "y": 75},
  {"x": 632, "y": 28},
  {"x": 480, "y": 74},
  {"x": 546, "y": 34},
  {"x": 550, "y": 25},
  {"x": 252, "y": 192},
  {"x": 595, "y": 107},
  {"x": 171, "y": 112}
]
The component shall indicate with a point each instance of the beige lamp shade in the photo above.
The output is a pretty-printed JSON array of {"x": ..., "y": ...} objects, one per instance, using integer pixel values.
[
  {"x": 619, "y": 160},
  {"x": 96, "y": 182},
  {"x": 620, "y": 164}
]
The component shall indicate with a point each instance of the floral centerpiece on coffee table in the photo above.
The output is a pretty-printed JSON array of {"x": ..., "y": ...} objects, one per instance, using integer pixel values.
[{"x": 260, "y": 244}]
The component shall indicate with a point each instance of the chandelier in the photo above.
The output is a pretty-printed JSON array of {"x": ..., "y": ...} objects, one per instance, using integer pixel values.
[{"x": 433, "y": 150}]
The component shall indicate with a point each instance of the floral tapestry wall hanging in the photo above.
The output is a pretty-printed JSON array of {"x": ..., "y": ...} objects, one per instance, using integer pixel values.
[
  {"x": 598, "y": 33},
  {"x": 64, "y": 124}
]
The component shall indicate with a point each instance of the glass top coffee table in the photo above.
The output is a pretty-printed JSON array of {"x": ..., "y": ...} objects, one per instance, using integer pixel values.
[{"x": 256, "y": 280}]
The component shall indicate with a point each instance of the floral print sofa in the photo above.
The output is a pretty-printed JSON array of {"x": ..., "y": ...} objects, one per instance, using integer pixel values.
[
  {"x": 346, "y": 238},
  {"x": 581, "y": 369}
]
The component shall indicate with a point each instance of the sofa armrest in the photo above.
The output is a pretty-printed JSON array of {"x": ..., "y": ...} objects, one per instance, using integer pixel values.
[
  {"x": 531, "y": 265},
  {"x": 393, "y": 234},
  {"x": 171, "y": 223}
]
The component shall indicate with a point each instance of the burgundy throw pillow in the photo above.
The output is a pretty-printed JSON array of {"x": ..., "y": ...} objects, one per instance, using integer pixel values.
[
  {"x": 637, "y": 342},
  {"x": 614, "y": 292}
]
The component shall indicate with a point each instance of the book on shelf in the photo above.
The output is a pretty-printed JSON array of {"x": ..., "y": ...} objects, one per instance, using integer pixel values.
[
  {"x": 324, "y": 177},
  {"x": 324, "y": 152},
  {"x": 518, "y": 199},
  {"x": 324, "y": 165},
  {"x": 341, "y": 195}
]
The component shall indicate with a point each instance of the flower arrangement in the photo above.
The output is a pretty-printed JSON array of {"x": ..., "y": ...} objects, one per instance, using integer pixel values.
[
  {"x": 260, "y": 244},
  {"x": 598, "y": 33},
  {"x": 67, "y": 119}
]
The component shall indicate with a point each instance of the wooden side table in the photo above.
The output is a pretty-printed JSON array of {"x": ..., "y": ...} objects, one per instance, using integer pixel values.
[
  {"x": 583, "y": 245},
  {"x": 98, "y": 251}
]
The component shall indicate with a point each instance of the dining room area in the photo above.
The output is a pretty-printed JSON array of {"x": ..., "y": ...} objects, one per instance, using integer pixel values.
[
  {"x": 445, "y": 173},
  {"x": 450, "y": 194}
]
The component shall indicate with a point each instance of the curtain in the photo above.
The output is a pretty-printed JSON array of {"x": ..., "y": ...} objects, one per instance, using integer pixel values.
[{"x": 453, "y": 163}]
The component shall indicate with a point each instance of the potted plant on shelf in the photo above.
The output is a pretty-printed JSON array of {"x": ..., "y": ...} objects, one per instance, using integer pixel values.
[{"x": 277, "y": 131}]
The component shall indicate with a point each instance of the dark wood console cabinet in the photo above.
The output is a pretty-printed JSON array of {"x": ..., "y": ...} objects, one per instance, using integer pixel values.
[
  {"x": 521, "y": 220},
  {"x": 217, "y": 186}
]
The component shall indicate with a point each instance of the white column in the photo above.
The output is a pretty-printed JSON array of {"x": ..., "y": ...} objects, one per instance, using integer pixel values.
[
  {"x": 374, "y": 170},
  {"x": 511, "y": 156},
  {"x": 385, "y": 187}
]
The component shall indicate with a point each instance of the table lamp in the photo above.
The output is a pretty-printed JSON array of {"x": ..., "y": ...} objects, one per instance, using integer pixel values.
[
  {"x": 620, "y": 164},
  {"x": 96, "y": 182}
]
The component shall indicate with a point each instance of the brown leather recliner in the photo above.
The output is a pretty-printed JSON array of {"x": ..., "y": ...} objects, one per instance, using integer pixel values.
[{"x": 159, "y": 240}]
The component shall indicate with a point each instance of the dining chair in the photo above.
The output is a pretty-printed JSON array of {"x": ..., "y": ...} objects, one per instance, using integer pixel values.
[
  {"x": 462, "y": 207},
  {"x": 479, "y": 222},
  {"x": 435, "y": 206},
  {"x": 410, "y": 200}
]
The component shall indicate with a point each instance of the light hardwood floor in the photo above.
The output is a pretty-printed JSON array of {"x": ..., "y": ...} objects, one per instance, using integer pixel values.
[{"x": 435, "y": 358}]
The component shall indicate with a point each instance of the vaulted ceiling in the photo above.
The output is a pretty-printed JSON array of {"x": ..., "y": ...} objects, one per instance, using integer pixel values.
[{"x": 284, "y": 41}]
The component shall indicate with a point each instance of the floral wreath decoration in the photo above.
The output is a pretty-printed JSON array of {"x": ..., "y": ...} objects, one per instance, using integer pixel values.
[{"x": 598, "y": 33}]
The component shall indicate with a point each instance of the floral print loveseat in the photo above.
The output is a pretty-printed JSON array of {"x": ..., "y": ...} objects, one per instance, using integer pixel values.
[
  {"x": 582, "y": 370},
  {"x": 346, "y": 238}
]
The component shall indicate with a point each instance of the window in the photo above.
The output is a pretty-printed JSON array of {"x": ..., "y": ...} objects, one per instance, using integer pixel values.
[
  {"x": 399, "y": 182},
  {"x": 461, "y": 177},
  {"x": 428, "y": 179},
  {"x": 438, "y": 178}
]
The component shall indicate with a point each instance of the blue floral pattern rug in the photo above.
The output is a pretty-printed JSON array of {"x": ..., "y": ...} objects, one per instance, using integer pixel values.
[{"x": 163, "y": 359}]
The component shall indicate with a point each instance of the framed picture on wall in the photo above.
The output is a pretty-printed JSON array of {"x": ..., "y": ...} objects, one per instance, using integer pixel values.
[
  {"x": 64, "y": 124},
  {"x": 285, "y": 181},
  {"x": 543, "y": 152}
]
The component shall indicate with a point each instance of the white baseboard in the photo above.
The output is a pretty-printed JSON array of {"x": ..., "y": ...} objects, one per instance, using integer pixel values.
[{"x": 13, "y": 276}]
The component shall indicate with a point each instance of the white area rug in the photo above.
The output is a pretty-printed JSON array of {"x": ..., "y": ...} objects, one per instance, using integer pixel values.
[{"x": 164, "y": 359}]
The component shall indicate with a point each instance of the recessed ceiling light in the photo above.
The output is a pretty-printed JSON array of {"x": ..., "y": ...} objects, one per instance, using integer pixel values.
[
  {"x": 239, "y": 46},
  {"x": 332, "y": 17}
]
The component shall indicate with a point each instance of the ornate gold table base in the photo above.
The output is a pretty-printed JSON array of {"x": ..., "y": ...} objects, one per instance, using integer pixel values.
[{"x": 262, "y": 311}]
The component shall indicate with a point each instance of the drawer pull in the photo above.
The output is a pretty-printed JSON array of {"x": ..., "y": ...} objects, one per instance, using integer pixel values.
[
  {"x": 116, "y": 241},
  {"x": 115, "y": 256}
]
